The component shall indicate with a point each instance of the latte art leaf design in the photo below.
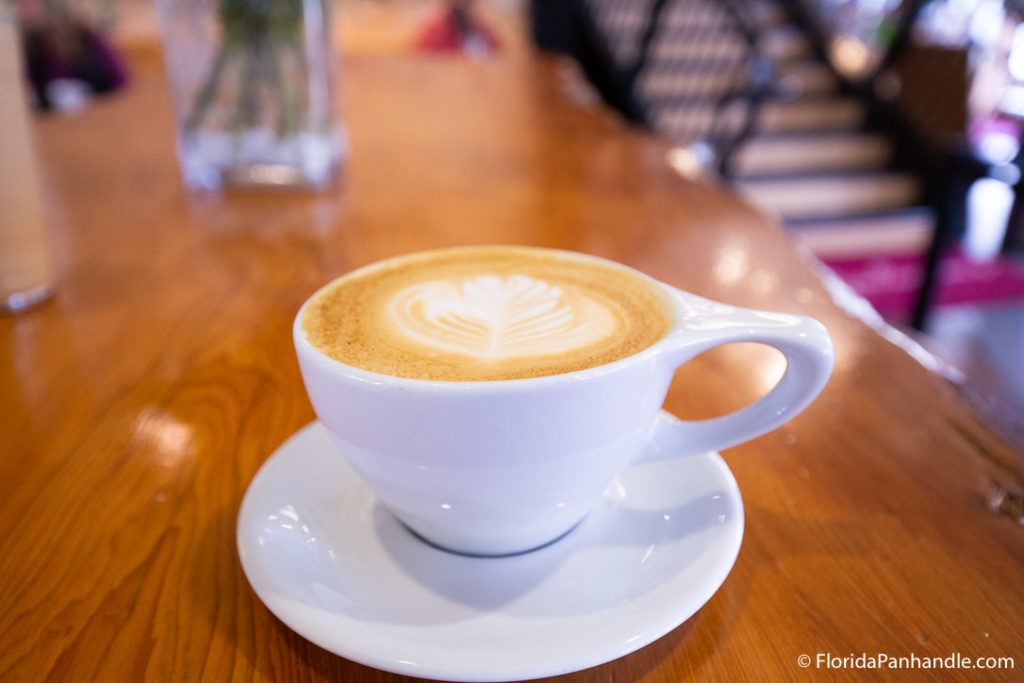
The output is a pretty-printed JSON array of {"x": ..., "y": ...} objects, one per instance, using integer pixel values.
[{"x": 498, "y": 317}]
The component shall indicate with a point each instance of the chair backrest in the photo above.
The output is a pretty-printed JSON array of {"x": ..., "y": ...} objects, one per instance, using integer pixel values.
[
  {"x": 683, "y": 59},
  {"x": 682, "y": 68}
]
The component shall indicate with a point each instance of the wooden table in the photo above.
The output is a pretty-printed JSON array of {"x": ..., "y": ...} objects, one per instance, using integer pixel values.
[{"x": 138, "y": 404}]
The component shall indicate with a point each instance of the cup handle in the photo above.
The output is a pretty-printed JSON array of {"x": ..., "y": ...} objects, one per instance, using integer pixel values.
[{"x": 809, "y": 353}]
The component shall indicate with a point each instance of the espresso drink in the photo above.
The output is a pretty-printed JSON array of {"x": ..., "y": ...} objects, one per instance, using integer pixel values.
[{"x": 486, "y": 313}]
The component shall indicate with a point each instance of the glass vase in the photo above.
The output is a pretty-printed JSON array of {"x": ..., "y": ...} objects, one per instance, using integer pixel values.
[{"x": 251, "y": 87}]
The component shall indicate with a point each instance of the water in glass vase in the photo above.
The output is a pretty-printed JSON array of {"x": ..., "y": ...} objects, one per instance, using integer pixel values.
[{"x": 251, "y": 84}]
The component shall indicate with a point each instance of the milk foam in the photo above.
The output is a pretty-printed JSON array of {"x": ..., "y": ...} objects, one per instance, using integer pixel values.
[
  {"x": 495, "y": 317},
  {"x": 486, "y": 313}
]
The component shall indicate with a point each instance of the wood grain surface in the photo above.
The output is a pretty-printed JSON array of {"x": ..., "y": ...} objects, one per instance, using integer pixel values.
[{"x": 138, "y": 404}]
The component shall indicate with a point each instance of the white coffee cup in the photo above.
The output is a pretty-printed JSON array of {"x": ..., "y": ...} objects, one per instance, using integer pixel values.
[{"x": 505, "y": 466}]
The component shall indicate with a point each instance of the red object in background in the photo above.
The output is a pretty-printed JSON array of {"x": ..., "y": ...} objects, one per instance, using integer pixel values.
[{"x": 456, "y": 30}]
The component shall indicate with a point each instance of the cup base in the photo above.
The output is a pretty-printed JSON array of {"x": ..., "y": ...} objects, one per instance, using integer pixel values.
[{"x": 467, "y": 553}]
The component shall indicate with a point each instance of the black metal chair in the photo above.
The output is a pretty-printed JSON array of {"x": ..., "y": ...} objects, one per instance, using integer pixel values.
[
  {"x": 926, "y": 119},
  {"x": 691, "y": 70}
]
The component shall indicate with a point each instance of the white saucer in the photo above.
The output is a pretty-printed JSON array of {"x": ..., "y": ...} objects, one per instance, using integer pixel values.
[{"x": 338, "y": 569}]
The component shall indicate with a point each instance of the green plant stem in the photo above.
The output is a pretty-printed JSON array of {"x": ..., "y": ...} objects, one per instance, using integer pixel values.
[
  {"x": 256, "y": 33},
  {"x": 245, "y": 103},
  {"x": 209, "y": 90}
]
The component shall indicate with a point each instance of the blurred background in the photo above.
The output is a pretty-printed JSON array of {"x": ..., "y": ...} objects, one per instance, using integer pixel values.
[{"x": 885, "y": 135}]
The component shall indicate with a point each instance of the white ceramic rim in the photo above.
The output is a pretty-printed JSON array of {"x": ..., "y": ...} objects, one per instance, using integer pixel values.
[{"x": 671, "y": 295}]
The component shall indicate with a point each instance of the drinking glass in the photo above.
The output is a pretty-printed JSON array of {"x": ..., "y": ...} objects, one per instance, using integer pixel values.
[{"x": 26, "y": 277}]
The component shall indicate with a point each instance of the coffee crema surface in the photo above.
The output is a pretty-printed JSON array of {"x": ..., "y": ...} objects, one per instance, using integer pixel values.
[{"x": 486, "y": 313}]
